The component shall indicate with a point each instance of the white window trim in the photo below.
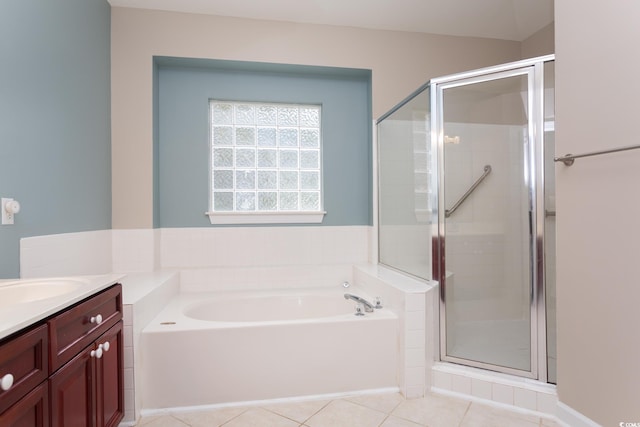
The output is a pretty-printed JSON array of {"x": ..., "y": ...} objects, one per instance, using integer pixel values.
[{"x": 261, "y": 217}]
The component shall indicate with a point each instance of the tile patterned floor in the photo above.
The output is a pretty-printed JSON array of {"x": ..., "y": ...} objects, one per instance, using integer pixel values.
[{"x": 379, "y": 410}]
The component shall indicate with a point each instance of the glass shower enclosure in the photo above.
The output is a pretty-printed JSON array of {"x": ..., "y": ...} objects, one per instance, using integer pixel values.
[{"x": 466, "y": 197}]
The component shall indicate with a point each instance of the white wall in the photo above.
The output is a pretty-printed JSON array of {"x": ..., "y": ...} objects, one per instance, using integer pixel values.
[
  {"x": 598, "y": 234},
  {"x": 400, "y": 63}
]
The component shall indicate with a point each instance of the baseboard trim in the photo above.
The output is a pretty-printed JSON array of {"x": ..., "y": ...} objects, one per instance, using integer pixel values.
[{"x": 570, "y": 417}]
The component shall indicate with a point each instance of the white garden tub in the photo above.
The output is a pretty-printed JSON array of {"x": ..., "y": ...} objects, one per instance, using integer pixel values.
[{"x": 214, "y": 348}]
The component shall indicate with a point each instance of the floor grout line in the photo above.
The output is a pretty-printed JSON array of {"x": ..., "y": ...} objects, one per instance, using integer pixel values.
[
  {"x": 466, "y": 411},
  {"x": 233, "y": 418},
  {"x": 369, "y": 405}
]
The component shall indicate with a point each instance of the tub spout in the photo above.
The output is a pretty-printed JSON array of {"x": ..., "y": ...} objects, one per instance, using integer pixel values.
[{"x": 368, "y": 307}]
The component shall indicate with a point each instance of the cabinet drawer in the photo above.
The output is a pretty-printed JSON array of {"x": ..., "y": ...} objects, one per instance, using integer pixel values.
[
  {"x": 74, "y": 329},
  {"x": 26, "y": 359}
]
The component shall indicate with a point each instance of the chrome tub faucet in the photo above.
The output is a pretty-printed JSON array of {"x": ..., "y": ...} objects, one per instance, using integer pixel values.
[{"x": 368, "y": 307}]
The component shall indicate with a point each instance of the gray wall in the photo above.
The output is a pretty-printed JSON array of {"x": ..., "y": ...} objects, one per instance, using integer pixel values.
[
  {"x": 182, "y": 143},
  {"x": 55, "y": 156}
]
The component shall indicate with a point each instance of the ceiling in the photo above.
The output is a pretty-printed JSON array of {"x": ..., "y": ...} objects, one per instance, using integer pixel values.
[{"x": 499, "y": 19}]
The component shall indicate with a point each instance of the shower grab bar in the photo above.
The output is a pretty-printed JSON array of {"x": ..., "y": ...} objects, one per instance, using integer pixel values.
[
  {"x": 449, "y": 212},
  {"x": 568, "y": 159}
]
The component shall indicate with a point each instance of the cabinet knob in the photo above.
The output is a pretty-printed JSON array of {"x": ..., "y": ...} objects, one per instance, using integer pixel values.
[
  {"x": 6, "y": 382},
  {"x": 96, "y": 319},
  {"x": 105, "y": 347},
  {"x": 97, "y": 353}
]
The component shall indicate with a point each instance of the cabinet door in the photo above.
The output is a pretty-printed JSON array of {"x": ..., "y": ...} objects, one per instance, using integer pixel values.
[
  {"x": 26, "y": 359},
  {"x": 109, "y": 378},
  {"x": 72, "y": 393},
  {"x": 30, "y": 411}
]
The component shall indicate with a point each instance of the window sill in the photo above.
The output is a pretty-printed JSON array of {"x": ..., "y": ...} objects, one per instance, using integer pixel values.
[{"x": 265, "y": 217}]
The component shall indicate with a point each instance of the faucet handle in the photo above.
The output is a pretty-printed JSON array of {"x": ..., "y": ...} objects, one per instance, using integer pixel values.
[
  {"x": 359, "y": 309},
  {"x": 378, "y": 302}
]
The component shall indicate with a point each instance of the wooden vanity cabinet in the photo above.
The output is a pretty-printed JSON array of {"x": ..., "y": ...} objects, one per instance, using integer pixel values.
[
  {"x": 25, "y": 357},
  {"x": 87, "y": 391},
  {"x": 87, "y": 345},
  {"x": 68, "y": 369},
  {"x": 74, "y": 329}
]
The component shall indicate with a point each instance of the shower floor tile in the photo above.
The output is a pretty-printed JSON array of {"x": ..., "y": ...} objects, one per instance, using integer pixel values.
[{"x": 381, "y": 410}]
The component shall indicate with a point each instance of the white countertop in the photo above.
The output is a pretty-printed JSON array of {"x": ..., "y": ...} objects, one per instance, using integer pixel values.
[{"x": 17, "y": 315}]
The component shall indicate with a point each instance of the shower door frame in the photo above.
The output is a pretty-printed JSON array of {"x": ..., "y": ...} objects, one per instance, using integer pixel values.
[{"x": 534, "y": 69}]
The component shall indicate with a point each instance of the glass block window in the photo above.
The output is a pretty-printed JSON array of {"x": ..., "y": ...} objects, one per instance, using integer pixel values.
[{"x": 265, "y": 157}]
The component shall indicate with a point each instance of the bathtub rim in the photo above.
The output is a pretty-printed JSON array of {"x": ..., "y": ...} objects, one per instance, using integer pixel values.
[{"x": 172, "y": 318}]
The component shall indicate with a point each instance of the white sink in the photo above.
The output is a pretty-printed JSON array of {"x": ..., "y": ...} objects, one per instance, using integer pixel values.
[{"x": 23, "y": 291}]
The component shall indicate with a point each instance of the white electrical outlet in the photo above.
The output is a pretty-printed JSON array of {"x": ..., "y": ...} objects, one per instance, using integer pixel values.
[{"x": 9, "y": 208}]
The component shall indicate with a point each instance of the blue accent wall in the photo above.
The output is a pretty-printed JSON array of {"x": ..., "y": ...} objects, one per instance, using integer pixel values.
[
  {"x": 55, "y": 149},
  {"x": 182, "y": 100}
]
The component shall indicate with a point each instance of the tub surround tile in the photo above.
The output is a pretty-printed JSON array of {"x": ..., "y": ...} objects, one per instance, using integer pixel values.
[
  {"x": 134, "y": 250},
  {"x": 415, "y": 377},
  {"x": 128, "y": 378},
  {"x": 409, "y": 298},
  {"x": 276, "y": 277},
  {"x": 415, "y": 339},
  {"x": 245, "y": 246},
  {"x": 415, "y": 320},
  {"x": 69, "y": 254},
  {"x": 416, "y": 302},
  {"x": 414, "y": 358},
  {"x": 143, "y": 295}
]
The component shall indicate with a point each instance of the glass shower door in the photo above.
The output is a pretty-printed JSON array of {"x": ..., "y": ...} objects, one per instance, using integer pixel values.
[{"x": 487, "y": 221}]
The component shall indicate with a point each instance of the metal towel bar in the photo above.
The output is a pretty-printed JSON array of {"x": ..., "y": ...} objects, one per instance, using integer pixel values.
[
  {"x": 568, "y": 159},
  {"x": 449, "y": 212}
]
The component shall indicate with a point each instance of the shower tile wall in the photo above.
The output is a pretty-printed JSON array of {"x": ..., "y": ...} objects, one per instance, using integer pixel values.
[
  {"x": 481, "y": 245},
  {"x": 477, "y": 272}
]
